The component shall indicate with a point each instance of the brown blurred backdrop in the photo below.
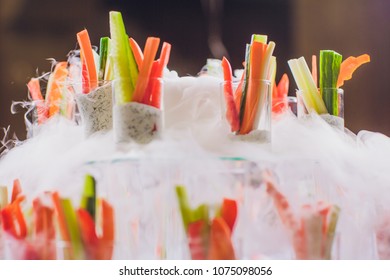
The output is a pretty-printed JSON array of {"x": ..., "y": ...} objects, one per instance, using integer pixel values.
[{"x": 32, "y": 31}]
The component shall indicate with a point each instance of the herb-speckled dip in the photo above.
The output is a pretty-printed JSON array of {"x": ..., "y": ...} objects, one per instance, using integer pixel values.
[
  {"x": 96, "y": 109},
  {"x": 136, "y": 122}
]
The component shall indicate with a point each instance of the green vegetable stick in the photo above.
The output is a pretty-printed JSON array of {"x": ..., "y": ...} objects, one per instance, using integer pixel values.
[
  {"x": 103, "y": 54},
  {"x": 122, "y": 59},
  {"x": 330, "y": 62},
  {"x": 88, "y": 199},
  {"x": 245, "y": 85},
  {"x": 185, "y": 209},
  {"x": 73, "y": 228},
  {"x": 334, "y": 216}
]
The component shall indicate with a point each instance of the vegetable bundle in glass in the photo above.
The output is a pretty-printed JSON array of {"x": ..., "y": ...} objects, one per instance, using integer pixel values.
[
  {"x": 137, "y": 84},
  {"x": 248, "y": 102},
  {"x": 326, "y": 100},
  {"x": 208, "y": 239},
  {"x": 313, "y": 233}
]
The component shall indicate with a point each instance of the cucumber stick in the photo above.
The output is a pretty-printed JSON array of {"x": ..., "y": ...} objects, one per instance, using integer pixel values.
[
  {"x": 88, "y": 199},
  {"x": 125, "y": 67},
  {"x": 103, "y": 54},
  {"x": 330, "y": 62}
]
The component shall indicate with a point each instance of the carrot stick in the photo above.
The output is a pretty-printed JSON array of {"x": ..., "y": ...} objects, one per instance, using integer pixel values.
[
  {"x": 221, "y": 247},
  {"x": 60, "y": 217},
  {"x": 53, "y": 92},
  {"x": 198, "y": 240},
  {"x": 150, "y": 51},
  {"x": 36, "y": 95},
  {"x": 138, "y": 55},
  {"x": 314, "y": 69},
  {"x": 229, "y": 212},
  {"x": 253, "y": 96},
  {"x": 86, "y": 49},
  {"x": 88, "y": 233},
  {"x": 164, "y": 58},
  {"x": 108, "y": 233},
  {"x": 348, "y": 67},
  {"x": 16, "y": 190}
]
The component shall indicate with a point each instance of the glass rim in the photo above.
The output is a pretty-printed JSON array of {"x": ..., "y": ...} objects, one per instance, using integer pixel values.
[
  {"x": 339, "y": 90},
  {"x": 268, "y": 82}
]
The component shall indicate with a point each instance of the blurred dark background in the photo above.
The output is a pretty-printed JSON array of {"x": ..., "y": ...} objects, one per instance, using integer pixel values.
[{"x": 32, "y": 31}]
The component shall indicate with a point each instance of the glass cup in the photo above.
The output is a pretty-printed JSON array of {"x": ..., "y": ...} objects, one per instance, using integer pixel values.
[
  {"x": 95, "y": 108},
  {"x": 137, "y": 122},
  {"x": 334, "y": 102},
  {"x": 256, "y": 128}
]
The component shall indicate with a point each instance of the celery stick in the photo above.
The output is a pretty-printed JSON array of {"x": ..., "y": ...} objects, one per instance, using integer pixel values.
[
  {"x": 185, "y": 209},
  {"x": 122, "y": 59},
  {"x": 3, "y": 196},
  {"x": 103, "y": 53},
  {"x": 88, "y": 199},
  {"x": 319, "y": 105},
  {"x": 73, "y": 228},
  {"x": 307, "y": 99},
  {"x": 245, "y": 85},
  {"x": 259, "y": 38},
  {"x": 201, "y": 213},
  {"x": 330, "y": 62},
  {"x": 330, "y": 234}
]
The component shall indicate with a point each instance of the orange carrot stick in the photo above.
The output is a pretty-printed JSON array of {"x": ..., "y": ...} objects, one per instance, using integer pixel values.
[
  {"x": 53, "y": 92},
  {"x": 108, "y": 232},
  {"x": 229, "y": 212},
  {"x": 36, "y": 95},
  {"x": 150, "y": 51},
  {"x": 254, "y": 85},
  {"x": 86, "y": 49},
  {"x": 60, "y": 217},
  {"x": 16, "y": 190},
  {"x": 221, "y": 247},
  {"x": 349, "y": 66},
  {"x": 138, "y": 55},
  {"x": 147, "y": 99}
]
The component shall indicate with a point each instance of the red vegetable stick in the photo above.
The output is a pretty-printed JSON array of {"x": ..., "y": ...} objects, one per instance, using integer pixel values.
[
  {"x": 279, "y": 97},
  {"x": 151, "y": 84},
  {"x": 12, "y": 214},
  {"x": 43, "y": 220},
  {"x": 53, "y": 92},
  {"x": 36, "y": 95},
  {"x": 229, "y": 212},
  {"x": 108, "y": 232},
  {"x": 231, "y": 111},
  {"x": 150, "y": 51},
  {"x": 138, "y": 55},
  {"x": 86, "y": 49},
  {"x": 221, "y": 247},
  {"x": 16, "y": 190},
  {"x": 197, "y": 239},
  {"x": 349, "y": 66},
  {"x": 163, "y": 62},
  {"x": 88, "y": 234},
  {"x": 238, "y": 93},
  {"x": 314, "y": 69}
]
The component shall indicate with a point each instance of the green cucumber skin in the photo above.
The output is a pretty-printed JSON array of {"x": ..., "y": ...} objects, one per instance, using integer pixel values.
[
  {"x": 330, "y": 62},
  {"x": 103, "y": 54},
  {"x": 245, "y": 85}
]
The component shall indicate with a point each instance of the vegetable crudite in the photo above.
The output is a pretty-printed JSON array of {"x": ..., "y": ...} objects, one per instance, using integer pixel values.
[
  {"x": 248, "y": 102},
  {"x": 137, "y": 84},
  {"x": 327, "y": 98}
]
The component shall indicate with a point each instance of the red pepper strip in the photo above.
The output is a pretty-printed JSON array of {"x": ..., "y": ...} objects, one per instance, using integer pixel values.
[
  {"x": 12, "y": 214},
  {"x": 231, "y": 111},
  {"x": 163, "y": 62},
  {"x": 16, "y": 190},
  {"x": 36, "y": 95},
  {"x": 229, "y": 212},
  {"x": 283, "y": 86},
  {"x": 221, "y": 247},
  {"x": 279, "y": 95},
  {"x": 151, "y": 83},
  {"x": 88, "y": 234},
  {"x": 197, "y": 240}
]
